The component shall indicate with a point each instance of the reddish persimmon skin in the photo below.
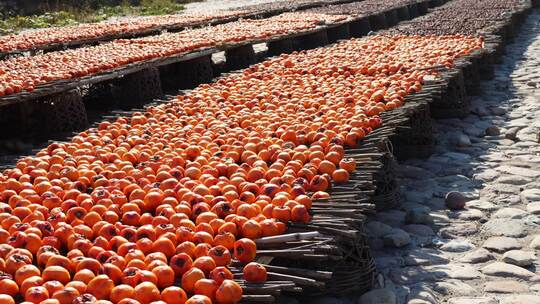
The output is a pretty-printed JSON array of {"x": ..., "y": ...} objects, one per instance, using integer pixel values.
[{"x": 255, "y": 273}]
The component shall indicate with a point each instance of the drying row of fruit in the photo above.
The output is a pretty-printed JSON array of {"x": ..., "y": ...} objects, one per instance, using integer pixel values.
[
  {"x": 361, "y": 8},
  {"x": 102, "y": 30},
  {"x": 466, "y": 17},
  {"x": 77, "y": 34},
  {"x": 153, "y": 207},
  {"x": 284, "y": 5},
  {"x": 25, "y": 73}
]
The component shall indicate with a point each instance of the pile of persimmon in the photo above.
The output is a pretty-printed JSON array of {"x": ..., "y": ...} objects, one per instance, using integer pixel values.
[
  {"x": 465, "y": 17},
  {"x": 102, "y": 30},
  {"x": 154, "y": 207},
  {"x": 361, "y": 8},
  {"x": 281, "y": 5},
  {"x": 25, "y": 73}
]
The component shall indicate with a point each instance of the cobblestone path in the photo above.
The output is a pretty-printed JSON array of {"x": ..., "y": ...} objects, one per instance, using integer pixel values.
[{"x": 481, "y": 243}]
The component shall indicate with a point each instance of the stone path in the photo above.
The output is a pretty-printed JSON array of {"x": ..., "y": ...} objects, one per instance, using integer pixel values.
[{"x": 481, "y": 243}]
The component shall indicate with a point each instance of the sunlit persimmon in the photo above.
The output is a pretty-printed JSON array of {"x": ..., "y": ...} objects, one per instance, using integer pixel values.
[
  {"x": 245, "y": 250},
  {"x": 201, "y": 250},
  {"x": 199, "y": 299},
  {"x": 164, "y": 246},
  {"x": 25, "y": 272},
  {"x": 206, "y": 287},
  {"x": 66, "y": 295},
  {"x": 205, "y": 263},
  {"x": 254, "y": 273},
  {"x": 53, "y": 286},
  {"x": 100, "y": 287},
  {"x": 220, "y": 255},
  {"x": 340, "y": 176},
  {"x": 36, "y": 294},
  {"x": 190, "y": 278},
  {"x": 165, "y": 276},
  {"x": 173, "y": 295},
  {"x": 180, "y": 263},
  {"x": 146, "y": 292},
  {"x": 121, "y": 292},
  {"x": 34, "y": 281},
  {"x": 56, "y": 273},
  {"x": 229, "y": 292},
  {"x": 9, "y": 287},
  {"x": 7, "y": 299}
]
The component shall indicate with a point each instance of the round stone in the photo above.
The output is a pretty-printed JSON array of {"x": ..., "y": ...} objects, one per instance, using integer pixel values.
[
  {"x": 519, "y": 257},
  {"x": 455, "y": 200},
  {"x": 492, "y": 131}
]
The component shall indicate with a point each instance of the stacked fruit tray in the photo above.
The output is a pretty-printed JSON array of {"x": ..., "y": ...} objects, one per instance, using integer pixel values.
[
  {"x": 57, "y": 37},
  {"x": 287, "y": 6},
  {"x": 25, "y": 73},
  {"x": 45, "y": 75},
  {"x": 465, "y": 17},
  {"x": 361, "y": 8}
]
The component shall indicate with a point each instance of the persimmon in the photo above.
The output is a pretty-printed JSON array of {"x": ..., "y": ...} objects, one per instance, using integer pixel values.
[
  {"x": 66, "y": 295},
  {"x": 190, "y": 277},
  {"x": 146, "y": 292},
  {"x": 165, "y": 276},
  {"x": 113, "y": 272},
  {"x": 220, "y": 255},
  {"x": 225, "y": 239},
  {"x": 90, "y": 264},
  {"x": 205, "y": 263},
  {"x": 56, "y": 273},
  {"x": 53, "y": 286},
  {"x": 80, "y": 286},
  {"x": 84, "y": 275},
  {"x": 164, "y": 246},
  {"x": 25, "y": 272},
  {"x": 36, "y": 294},
  {"x": 148, "y": 276},
  {"x": 340, "y": 176},
  {"x": 245, "y": 250},
  {"x": 282, "y": 214},
  {"x": 173, "y": 295},
  {"x": 199, "y": 299},
  {"x": 16, "y": 261},
  {"x": 229, "y": 292},
  {"x": 9, "y": 287},
  {"x": 201, "y": 250},
  {"x": 300, "y": 214},
  {"x": 100, "y": 287},
  {"x": 254, "y": 273},
  {"x": 121, "y": 292},
  {"x": 7, "y": 299},
  {"x": 34, "y": 281},
  {"x": 186, "y": 247},
  {"x": 132, "y": 276},
  {"x": 348, "y": 164},
  {"x": 206, "y": 287},
  {"x": 221, "y": 273},
  {"x": 251, "y": 229},
  {"x": 180, "y": 263}
]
